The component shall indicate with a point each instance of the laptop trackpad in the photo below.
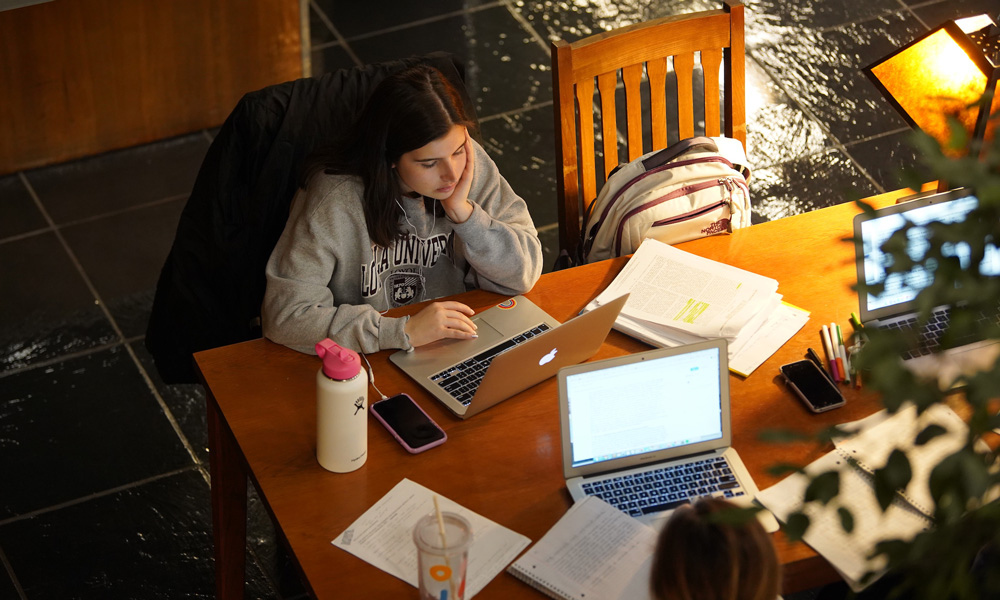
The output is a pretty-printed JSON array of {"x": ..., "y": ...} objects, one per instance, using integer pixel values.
[{"x": 488, "y": 337}]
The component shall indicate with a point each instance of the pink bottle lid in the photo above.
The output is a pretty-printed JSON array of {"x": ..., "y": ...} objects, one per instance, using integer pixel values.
[{"x": 338, "y": 362}]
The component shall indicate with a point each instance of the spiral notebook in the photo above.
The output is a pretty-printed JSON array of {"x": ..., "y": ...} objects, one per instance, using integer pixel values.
[
  {"x": 869, "y": 449},
  {"x": 593, "y": 551},
  {"x": 856, "y": 458}
]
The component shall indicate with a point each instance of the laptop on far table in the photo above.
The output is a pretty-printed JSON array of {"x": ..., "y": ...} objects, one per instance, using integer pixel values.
[
  {"x": 650, "y": 432},
  {"x": 896, "y": 306},
  {"x": 519, "y": 345}
]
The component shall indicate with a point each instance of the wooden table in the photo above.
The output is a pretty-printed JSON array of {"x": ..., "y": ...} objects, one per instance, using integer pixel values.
[{"x": 505, "y": 463}]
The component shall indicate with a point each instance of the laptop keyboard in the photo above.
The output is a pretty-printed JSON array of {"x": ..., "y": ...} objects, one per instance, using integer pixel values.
[
  {"x": 929, "y": 339},
  {"x": 664, "y": 489},
  {"x": 462, "y": 380}
]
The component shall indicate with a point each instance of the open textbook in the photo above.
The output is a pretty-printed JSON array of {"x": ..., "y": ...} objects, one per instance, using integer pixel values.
[
  {"x": 679, "y": 298},
  {"x": 856, "y": 458}
]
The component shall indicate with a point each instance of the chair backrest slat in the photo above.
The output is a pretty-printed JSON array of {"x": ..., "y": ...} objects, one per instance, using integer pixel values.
[
  {"x": 585, "y": 98},
  {"x": 632, "y": 78},
  {"x": 607, "y": 83},
  {"x": 710, "y": 62},
  {"x": 734, "y": 64},
  {"x": 656, "y": 74},
  {"x": 684, "y": 69}
]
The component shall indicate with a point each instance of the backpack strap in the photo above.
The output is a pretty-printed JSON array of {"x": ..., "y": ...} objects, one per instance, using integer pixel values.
[{"x": 671, "y": 152}]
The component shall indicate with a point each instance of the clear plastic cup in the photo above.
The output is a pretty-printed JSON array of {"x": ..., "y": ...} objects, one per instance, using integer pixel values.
[{"x": 442, "y": 563}]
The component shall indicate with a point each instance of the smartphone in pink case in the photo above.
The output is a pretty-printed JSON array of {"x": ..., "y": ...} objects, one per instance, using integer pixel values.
[{"x": 408, "y": 423}]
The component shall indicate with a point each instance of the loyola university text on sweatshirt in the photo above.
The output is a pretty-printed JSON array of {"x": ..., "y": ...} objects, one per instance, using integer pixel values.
[{"x": 325, "y": 277}]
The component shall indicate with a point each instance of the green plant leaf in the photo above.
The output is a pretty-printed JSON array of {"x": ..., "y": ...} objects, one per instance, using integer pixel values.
[
  {"x": 975, "y": 475},
  {"x": 846, "y": 519},
  {"x": 783, "y": 436},
  {"x": 780, "y": 469},
  {"x": 823, "y": 487},
  {"x": 828, "y": 434},
  {"x": 894, "y": 476},
  {"x": 944, "y": 480},
  {"x": 865, "y": 207},
  {"x": 929, "y": 433},
  {"x": 796, "y": 526}
]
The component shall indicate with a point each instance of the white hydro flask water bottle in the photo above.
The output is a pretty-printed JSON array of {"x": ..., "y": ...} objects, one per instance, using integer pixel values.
[{"x": 341, "y": 409}]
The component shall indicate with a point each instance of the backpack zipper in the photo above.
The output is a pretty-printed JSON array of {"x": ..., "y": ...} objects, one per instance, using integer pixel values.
[
  {"x": 688, "y": 216},
  {"x": 727, "y": 182}
]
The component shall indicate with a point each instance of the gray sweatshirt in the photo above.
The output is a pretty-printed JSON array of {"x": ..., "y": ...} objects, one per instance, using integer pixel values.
[{"x": 325, "y": 277}]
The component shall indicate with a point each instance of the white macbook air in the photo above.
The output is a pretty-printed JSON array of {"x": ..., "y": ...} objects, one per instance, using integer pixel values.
[
  {"x": 649, "y": 432},
  {"x": 518, "y": 346}
]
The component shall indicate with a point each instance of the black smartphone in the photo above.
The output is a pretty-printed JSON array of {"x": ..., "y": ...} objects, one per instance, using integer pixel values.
[
  {"x": 811, "y": 386},
  {"x": 408, "y": 423}
]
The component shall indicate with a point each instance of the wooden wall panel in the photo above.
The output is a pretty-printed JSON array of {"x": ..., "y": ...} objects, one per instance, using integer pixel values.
[{"x": 80, "y": 77}]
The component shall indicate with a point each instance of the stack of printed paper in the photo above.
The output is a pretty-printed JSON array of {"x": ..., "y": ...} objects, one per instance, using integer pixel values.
[{"x": 679, "y": 298}]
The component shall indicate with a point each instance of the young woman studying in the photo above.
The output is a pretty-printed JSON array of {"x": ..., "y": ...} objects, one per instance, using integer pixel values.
[{"x": 410, "y": 209}]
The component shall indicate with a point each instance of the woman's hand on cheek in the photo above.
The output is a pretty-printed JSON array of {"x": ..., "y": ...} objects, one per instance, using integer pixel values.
[
  {"x": 457, "y": 206},
  {"x": 441, "y": 320}
]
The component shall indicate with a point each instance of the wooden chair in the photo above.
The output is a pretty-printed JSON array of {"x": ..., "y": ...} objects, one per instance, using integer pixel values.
[{"x": 717, "y": 35}]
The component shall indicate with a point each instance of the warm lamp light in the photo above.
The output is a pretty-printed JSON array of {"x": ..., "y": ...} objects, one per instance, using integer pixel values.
[{"x": 945, "y": 73}]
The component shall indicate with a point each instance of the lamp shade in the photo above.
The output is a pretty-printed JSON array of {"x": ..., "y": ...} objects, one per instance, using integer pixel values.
[{"x": 944, "y": 73}]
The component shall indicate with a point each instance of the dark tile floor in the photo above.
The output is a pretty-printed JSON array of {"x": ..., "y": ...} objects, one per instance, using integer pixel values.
[{"x": 104, "y": 488}]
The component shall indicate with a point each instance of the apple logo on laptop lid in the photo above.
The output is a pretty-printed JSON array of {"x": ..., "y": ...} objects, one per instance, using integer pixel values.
[{"x": 551, "y": 354}]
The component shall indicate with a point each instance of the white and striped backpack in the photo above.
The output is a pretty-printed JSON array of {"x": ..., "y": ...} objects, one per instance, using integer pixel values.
[{"x": 694, "y": 188}]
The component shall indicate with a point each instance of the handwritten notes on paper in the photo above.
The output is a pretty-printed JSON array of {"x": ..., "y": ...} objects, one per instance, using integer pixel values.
[{"x": 383, "y": 536}]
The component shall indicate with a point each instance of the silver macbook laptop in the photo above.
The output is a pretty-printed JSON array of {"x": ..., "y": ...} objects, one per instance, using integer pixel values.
[
  {"x": 518, "y": 346},
  {"x": 649, "y": 432},
  {"x": 895, "y": 306}
]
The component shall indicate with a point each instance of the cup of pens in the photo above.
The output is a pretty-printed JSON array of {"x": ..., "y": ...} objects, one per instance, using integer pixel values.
[{"x": 443, "y": 540}]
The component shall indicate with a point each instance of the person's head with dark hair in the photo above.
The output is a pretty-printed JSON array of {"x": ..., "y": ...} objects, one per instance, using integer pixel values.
[
  {"x": 703, "y": 555},
  {"x": 406, "y": 112}
]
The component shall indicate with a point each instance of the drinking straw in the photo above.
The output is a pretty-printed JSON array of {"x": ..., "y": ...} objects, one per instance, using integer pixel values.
[{"x": 444, "y": 546}]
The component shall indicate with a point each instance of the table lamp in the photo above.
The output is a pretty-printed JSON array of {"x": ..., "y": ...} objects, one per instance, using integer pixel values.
[{"x": 945, "y": 73}]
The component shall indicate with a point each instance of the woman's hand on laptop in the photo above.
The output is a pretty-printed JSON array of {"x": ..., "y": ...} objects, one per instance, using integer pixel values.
[{"x": 441, "y": 320}]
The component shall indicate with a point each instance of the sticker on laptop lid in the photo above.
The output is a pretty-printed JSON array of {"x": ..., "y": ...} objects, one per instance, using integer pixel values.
[{"x": 507, "y": 304}]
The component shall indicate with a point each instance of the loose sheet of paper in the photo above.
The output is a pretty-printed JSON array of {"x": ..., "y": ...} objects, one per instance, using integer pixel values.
[
  {"x": 383, "y": 536},
  {"x": 779, "y": 327}
]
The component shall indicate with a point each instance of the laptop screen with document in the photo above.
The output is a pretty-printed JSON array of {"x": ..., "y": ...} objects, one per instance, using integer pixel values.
[
  {"x": 650, "y": 431},
  {"x": 645, "y": 406}
]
